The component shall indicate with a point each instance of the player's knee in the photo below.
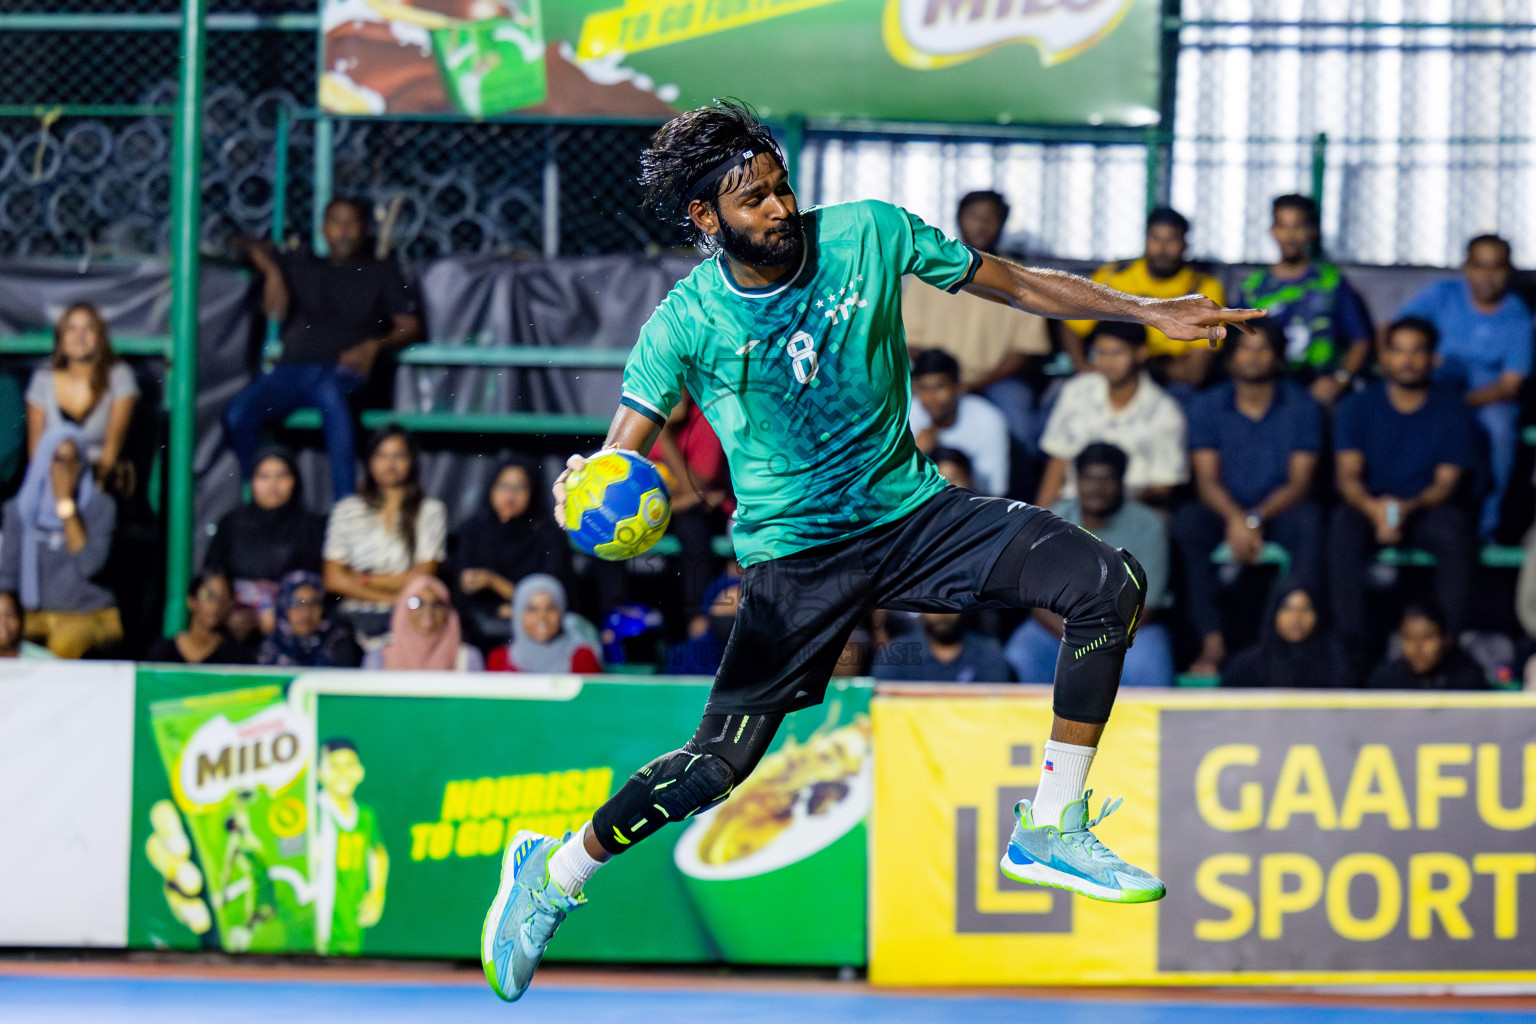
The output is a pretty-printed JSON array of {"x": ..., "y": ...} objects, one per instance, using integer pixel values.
[{"x": 1105, "y": 610}]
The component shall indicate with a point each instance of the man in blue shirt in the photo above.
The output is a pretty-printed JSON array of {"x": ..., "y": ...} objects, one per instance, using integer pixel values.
[
  {"x": 1253, "y": 445},
  {"x": 1403, "y": 451},
  {"x": 1485, "y": 351},
  {"x": 948, "y": 653}
]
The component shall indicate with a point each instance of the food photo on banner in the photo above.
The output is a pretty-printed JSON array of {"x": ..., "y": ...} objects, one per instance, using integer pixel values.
[
  {"x": 988, "y": 61},
  {"x": 346, "y": 814},
  {"x": 1345, "y": 839}
]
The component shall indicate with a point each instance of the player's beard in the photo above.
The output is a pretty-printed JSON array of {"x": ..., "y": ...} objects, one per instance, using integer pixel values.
[{"x": 785, "y": 245}]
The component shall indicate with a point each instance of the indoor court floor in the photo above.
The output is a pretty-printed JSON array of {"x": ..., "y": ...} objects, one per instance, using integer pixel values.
[{"x": 106, "y": 992}]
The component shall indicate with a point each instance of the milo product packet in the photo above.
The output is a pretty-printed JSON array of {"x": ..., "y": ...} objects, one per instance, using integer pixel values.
[
  {"x": 496, "y": 65},
  {"x": 236, "y": 762}
]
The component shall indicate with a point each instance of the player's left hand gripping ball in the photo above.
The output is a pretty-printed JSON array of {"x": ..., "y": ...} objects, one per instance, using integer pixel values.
[{"x": 617, "y": 505}]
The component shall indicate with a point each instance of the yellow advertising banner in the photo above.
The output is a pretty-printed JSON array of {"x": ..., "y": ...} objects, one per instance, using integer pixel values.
[{"x": 1317, "y": 839}]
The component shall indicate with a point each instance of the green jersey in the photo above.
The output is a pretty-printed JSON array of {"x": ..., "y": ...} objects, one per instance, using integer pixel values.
[
  {"x": 806, "y": 381},
  {"x": 345, "y": 877}
]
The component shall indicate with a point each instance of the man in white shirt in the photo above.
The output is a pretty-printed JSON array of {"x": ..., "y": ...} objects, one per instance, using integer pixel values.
[
  {"x": 1119, "y": 403},
  {"x": 943, "y": 416}
]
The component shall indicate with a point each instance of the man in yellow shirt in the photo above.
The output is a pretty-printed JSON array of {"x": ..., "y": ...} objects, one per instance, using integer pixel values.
[{"x": 1161, "y": 273}]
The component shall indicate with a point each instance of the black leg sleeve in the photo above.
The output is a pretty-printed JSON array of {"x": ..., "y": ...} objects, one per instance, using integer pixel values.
[
  {"x": 720, "y": 756},
  {"x": 1098, "y": 590}
]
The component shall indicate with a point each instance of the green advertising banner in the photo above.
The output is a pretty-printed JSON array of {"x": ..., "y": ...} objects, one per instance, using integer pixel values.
[
  {"x": 367, "y": 813},
  {"x": 992, "y": 61}
]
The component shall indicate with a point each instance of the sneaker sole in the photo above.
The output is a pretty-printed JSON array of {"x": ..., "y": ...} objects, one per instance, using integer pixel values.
[
  {"x": 1036, "y": 873},
  {"x": 499, "y": 907}
]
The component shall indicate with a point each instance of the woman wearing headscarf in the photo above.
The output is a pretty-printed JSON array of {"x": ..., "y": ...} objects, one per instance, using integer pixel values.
[
  {"x": 510, "y": 535},
  {"x": 259, "y": 542},
  {"x": 1294, "y": 651},
  {"x": 57, "y": 536},
  {"x": 301, "y": 636},
  {"x": 540, "y": 640},
  {"x": 424, "y": 632}
]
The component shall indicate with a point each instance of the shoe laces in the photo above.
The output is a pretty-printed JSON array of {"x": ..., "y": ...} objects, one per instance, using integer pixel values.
[
  {"x": 543, "y": 920},
  {"x": 1084, "y": 839}
]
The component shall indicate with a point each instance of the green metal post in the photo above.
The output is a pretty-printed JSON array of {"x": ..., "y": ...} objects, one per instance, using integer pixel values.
[
  {"x": 325, "y": 141},
  {"x": 272, "y": 345},
  {"x": 794, "y": 142},
  {"x": 1153, "y": 141},
  {"x": 186, "y": 210},
  {"x": 1319, "y": 166}
]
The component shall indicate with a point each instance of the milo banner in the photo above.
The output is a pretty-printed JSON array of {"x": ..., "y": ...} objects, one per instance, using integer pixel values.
[
  {"x": 1336, "y": 838},
  {"x": 366, "y": 813},
  {"x": 1042, "y": 61}
]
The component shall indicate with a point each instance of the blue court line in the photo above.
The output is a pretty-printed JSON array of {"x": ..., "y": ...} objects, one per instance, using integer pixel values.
[{"x": 159, "y": 1000}]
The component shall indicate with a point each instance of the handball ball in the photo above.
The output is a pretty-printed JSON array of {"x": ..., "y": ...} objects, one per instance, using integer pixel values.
[{"x": 617, "y": 505}]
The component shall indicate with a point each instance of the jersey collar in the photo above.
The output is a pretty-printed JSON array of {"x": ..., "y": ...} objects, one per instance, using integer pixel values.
[{"x": 768, "y": 291}]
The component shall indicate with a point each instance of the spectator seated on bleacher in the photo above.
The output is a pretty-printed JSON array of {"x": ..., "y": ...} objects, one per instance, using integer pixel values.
[
  {"x": 992, "y": 341},
  {"x": 1253, "y": 448},
  {"x": 1403, "y": 451},
  {"x": 542, "y": 640},
  {"x": 702, "y": 502},
  {"x": 1485, "y": 352},
  {"x": 1326, "y": 326},
  {"x": 1294, "y": 651},
  {"x": 206, "y": 640},
  {"x": 424, "y": 633},
  {"x": 13, "y": 620},
  {"x": 338, "y": 314},
  {"x": 57, "y": 536},
  {"x": 700, "y": 653},
  {"x": 1431, "y": 658},
  {"x": 302, "y": 637},
  {"x": 943, "y": 416},
  {"x": 511, "y": 535},
  {"x": 1118, "y": 403},
  {"x": 377, "y": 540},
  {"x": 257, "y": 544},
  {"x": 85, "y": 386},
  {"x": 1160, "y": 273},
  {"x": 954, "y": 466},
  {"x": 947, "y": 652},
  {"x": 1102, "y": 509}
]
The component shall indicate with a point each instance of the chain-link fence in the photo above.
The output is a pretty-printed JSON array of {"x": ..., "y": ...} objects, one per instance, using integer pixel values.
[{"x": 1425, "y": 104}]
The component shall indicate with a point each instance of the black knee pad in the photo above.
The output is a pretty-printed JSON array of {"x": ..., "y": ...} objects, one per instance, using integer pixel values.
[
  {"x": 1132, "y": 599},
  {"x": 670, "y": 788},
  {"x": 1106, "y": 616}
]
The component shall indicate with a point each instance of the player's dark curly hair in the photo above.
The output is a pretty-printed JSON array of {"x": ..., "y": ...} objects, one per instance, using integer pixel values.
[{"x": 688, "y": 147}]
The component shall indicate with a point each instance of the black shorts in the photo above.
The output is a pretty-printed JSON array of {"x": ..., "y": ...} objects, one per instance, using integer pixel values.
[{"x": 796, "y": 613}]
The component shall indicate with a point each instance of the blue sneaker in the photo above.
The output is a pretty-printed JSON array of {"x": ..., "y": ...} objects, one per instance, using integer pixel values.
[
  {"x": 1068, "y": 856},
  {"x": 529, "y": 906}
]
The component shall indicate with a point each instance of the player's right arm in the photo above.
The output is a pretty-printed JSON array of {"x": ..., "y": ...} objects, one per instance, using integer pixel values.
[{"x": 630, "y": 430}]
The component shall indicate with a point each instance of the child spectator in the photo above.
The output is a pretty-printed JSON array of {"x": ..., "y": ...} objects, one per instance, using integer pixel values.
[
  {"x": 206, "y": 640},
  {"x": 1431, "y": 660},
  {"x": 258, "y": 543},
  {"x": 377, "y": 540},
  {"x": 85, "y": 386},
  {"x": 424, "y": 633},
  {"x": 541, "y": 640},
  {"x": 302, "y": 637}
]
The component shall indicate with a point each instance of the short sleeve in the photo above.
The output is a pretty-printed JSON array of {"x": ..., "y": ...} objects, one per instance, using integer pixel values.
[
  {"x": 923, "y": 250},
  {"x": 653, "y": 374},
  {"x": 339, "y": 531},
  {"x": 121, "y": 383},
  {"x": 1204, "y": 431},
  {"x": 1518, "y": 352},
  {"x": 432, "y": 531},
  {"x": 1354, "y": 321},
  {"x": 1457, "y": 446},
  {"x": 399, "y": 297},
  {"x": 1168, "y": 462},
  {"x": 1424, "y": 305},
  {"x": 1062, "y": 438},
  {"x": 1307, "y": 427},
  {"x": 40, "y": 388},
  {"x": 1347, "y": 433}
]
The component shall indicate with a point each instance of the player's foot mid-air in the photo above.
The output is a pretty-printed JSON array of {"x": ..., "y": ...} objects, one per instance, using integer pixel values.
[{"x": 790, "y": 339}]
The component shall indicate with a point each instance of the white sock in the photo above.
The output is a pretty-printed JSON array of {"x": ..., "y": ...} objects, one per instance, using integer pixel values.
[
  {"x": 571, "y": 865},
  {"x": 1063, "y": 775}
]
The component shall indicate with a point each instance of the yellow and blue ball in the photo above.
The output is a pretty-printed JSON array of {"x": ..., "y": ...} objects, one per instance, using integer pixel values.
[{"x": 617, "y": 505}]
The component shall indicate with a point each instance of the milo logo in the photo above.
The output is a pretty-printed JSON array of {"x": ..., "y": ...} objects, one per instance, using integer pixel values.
[
  {"x": 265, "y": 750},
  {"x": 928, "y": 34}
]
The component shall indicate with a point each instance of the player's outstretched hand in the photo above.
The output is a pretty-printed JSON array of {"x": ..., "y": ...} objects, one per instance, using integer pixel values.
[
  {"x": 1195, "y": 318},
  {"x": 572, "y": 464}
]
